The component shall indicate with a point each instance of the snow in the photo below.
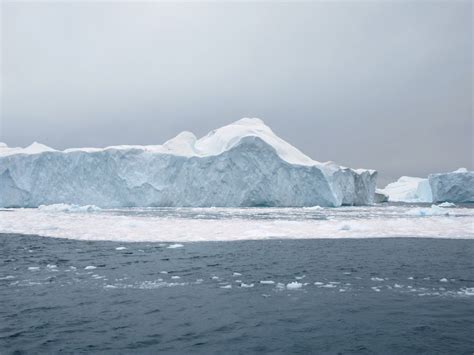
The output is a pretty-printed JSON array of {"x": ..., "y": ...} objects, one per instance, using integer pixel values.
[
  {"x": 457, "y": 186},
  {"x": 241, "y": 164},
  {"x": 408, "y": 189},
  {"x": 177, "y": 226}
]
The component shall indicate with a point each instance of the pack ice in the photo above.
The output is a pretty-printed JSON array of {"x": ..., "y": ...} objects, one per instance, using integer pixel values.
[
  {"x": 242, "y": 164},
  {"x": 456, "y": 186}
]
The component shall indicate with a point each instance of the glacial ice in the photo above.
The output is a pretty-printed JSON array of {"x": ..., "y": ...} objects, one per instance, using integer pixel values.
[
  {"x": 241, "y": 164},
  {"x": 408, "y": 189},
  {"x": 456, "y": 186}
]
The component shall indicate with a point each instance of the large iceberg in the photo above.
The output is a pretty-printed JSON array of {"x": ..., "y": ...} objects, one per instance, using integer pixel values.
[
  {"x": 408, "y": 189},
  {"x": 242, "y": 164},
  {"x": 457, "y": 186}
]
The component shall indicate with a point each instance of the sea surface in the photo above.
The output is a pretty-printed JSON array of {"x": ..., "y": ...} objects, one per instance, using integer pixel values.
[{"x": 377, "y": 295}]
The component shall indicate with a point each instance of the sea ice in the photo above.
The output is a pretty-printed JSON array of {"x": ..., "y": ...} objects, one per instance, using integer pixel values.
[
  {"x": 377, "y": 279},
  {"x": 244, "y": 285},
  {"x": 294, "y": 285}
]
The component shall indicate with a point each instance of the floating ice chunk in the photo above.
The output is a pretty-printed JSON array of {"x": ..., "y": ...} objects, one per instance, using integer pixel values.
[
  {"x": 244, "y": 285},
  {"x": 319, "y": 283},
  {"x": 300, "y": 277},
  {"x": 51, "y": 266},
  {"x": 33, "y": 268},
  {"x": 329, "y": 285},
  {"x": 120, "y": 248},
  {"x": 433, "y": 211},
  {"x": 175, "y": 277},
  {"x": 397, "y": 286},
  {"x": 466, "y": 291},
  {"x": 280, "y": 286},
  {"x": 377, "y": 279},
  {"x": 267, "y": 282},
  {"x": 342, "y": 290},
  {"x": 444, "y": 279},
  {"x": 313, "y": 208},
  {"x": 447, "y": 204},
  {"x": 163, "y": 272},
  {"x": 64, "y": 207},
  {"x": 226, "y": 286},
  {"x": 376, "y": 289},
  {"x": 174, "y": 246},
  {"x": 90, "y": 267},
  {"x": 215, "y": 277},
  {"x": 410, "y": 278},
  {"x": 294, "y": 285},
  {"x": 236, "y": 274}
]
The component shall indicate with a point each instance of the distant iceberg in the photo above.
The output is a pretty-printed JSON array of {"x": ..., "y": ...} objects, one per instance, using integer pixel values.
[
  {"x": 456, "y": 186},
  {"x": 408, "y": 189},
  {"x": 242, "y": 164}
]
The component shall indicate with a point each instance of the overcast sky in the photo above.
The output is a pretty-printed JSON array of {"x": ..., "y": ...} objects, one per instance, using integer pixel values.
[{"x": 382, "y": 85}]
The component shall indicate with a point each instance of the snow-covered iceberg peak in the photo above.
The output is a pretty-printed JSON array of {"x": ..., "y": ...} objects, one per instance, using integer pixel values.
[
  {"x": 224, "y": 138},
  {"x": 34, "y": 148},
  {"x": 241, "y": 164}
]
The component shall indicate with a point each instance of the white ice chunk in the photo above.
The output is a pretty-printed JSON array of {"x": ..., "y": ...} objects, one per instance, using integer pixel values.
[{"x": 294, "y": 285}]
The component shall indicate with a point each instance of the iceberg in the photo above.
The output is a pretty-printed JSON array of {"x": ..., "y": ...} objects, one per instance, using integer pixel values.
[
  {"x": 239, "y": 165},
  {"x": 408, "y": 189},
  {"x": 457, "y": 186}
]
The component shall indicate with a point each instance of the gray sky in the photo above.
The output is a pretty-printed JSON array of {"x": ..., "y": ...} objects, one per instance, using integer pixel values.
[{"x": 383, "y": 85}]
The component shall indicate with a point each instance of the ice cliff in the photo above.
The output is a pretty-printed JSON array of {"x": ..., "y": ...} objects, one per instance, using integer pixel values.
[
  {"x": 408, "y": 189},
  {"x": 456, "y": 186},
  {"x": 242, "y": 164}
]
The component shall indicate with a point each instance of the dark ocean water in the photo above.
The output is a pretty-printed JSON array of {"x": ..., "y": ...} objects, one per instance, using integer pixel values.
[{"x": 371, "y": 296}]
